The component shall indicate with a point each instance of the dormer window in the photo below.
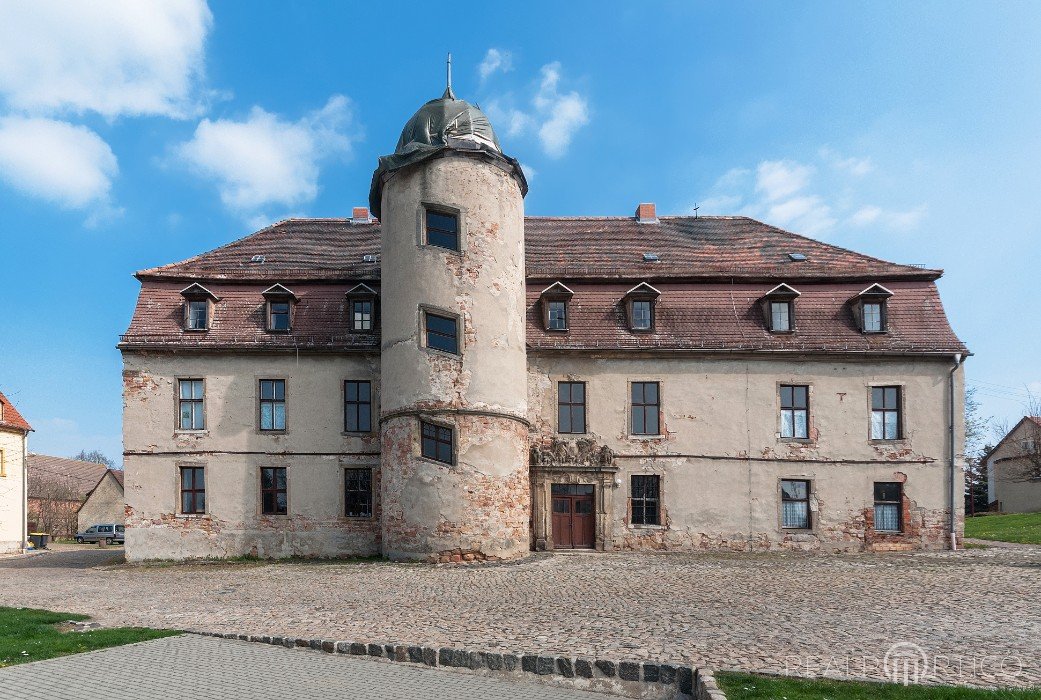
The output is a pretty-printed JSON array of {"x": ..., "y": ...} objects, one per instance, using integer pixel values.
[
  {"x": 442, "y": 229},
  {"x": 280, "y": 303},
  {"x": 779, "y": 308},
  {"x": 555, "y": 301},
  {"x": 639, "y": 307},
  {"x": 870, "y": 309},
  {"x": 197, "y": 307},
  {"x": 361, "y": 307}
]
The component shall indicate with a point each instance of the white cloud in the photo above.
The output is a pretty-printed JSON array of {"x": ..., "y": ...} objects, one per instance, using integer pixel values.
[
  {"x": 777, "y": 179},
  {"x": 853, "y": 166},
  {"x": 495, "y": 60},
  {"x": 899, "y": 220},
  {"x": 113, "y": 57},
  {"x": 66, "y": 164},
  {"x": 266, "y": 160},
  {"x": 865, "y": 215},
  {"x": 809, "y": 215},
  {"x": 530, "y": 173}
]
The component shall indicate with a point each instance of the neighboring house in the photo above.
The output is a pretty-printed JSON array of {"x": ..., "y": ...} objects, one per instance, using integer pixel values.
[
  {"x": 14, "y": 437},
  {"x": 105, "y": 502},
  {"x": 1014, "y": 469},
  {"x": 456, "y": 381},
  {"x": 57, "y": 488}
]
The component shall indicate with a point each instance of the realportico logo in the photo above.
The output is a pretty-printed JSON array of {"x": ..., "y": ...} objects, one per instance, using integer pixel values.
[{"x": 905, "y": 663}]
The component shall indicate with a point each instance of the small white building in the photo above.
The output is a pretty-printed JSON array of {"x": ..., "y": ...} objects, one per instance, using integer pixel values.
[
  {"x": 14, "y": 433},
  {"x": 1014, "y": 469}
]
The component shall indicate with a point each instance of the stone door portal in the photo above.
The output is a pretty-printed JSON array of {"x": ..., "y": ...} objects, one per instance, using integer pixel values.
[{"x": 574, "y": 520}]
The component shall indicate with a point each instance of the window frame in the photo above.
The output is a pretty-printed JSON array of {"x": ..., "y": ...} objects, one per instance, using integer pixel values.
[
  {"x": 371, "y": 301},
  {"x": 438, "y": 441},
  {"x": 357, "y": 403},
  {"x": 898, "y": 410},
  {"x": 571, "y": 404},
  {"x": 442, "y": 210},
  {"x": 201, "y": 402},
  {"x": 194, "y": 491},
  {"x": 656, "y": 500},
  {"x": 206, "y": 304},
  {"x": 548, "y": 315},
  {"x": 643, "y": 292},
  {"x": 781, "y": 386},
  {"x": 882, "y": 324},
  {"x": 789, "y": 306},
  {"x": 271, "y": 315},
  {"x": 370, "y": 509},
  {"x": 273, "y": 402},
  {"x": 633, "y": 301},
  {"x": 274, "y": 490},
  {"x": 810, "y": 520},
  {"x": 633, "y": 405},
  {"x": 899, "y": 503},
  {"x": 424, "y": 312}
]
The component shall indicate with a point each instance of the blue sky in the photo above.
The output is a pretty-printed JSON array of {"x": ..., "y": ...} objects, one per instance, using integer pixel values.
[{"x": 135, "y": 135}]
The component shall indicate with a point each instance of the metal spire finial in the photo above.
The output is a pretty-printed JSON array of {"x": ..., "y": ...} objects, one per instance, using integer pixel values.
[{"x": 449, "y": 95}]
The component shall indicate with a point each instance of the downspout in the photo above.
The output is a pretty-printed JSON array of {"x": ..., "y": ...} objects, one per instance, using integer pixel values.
[
  {"x": 25, "y": 492},
  {"x": 954, "y": 465}
]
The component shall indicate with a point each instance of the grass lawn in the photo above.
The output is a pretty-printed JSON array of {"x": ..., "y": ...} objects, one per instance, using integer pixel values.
[
  {"x": 1015, "y": 527},
  {"x": 743, "y": 686},
  {"x": 30, "y": 635}
]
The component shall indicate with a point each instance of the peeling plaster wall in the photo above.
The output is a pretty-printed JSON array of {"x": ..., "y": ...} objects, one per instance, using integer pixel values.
[
  {"x": 12, "y": 491},
  {"x": 478, "y": 508},
  {"x": 721, "y": 460},
  {"x": 313, "y": 448}
]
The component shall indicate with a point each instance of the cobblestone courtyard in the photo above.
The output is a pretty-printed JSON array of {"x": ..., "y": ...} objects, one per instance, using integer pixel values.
[{"x": 977, "y": 612}]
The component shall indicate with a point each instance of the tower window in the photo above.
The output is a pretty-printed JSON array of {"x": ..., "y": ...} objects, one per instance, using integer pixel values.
[
  {"x": 437, "y": 442},
  {"x": 442, "y": 229},
  {"x": 442, "y": 332}
]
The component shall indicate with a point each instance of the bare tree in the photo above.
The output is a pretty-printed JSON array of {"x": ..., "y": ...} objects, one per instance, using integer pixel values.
[
  {"x": 975, "y": 471},
  {"x": 96, "y": 456},
  {"x": 53, "y": 501}
]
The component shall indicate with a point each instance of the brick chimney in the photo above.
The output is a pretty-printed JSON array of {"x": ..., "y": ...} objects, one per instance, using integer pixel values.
[
  {"x": 361, "y": 216},
  {"x": 645, "y": 213}
]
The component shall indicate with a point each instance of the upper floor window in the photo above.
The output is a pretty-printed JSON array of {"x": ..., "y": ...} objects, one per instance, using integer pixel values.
[
  {"x": 645, "y": 408},
  {"x": 193, "y": 490},
  {"x": 274, "y": 491},
  {"x": 191, "y": 413},
  {"x": 357, "y": 493},
  {"x": 437, "y": 442},
  {"x": 886, "y": 419},
  {"x": 272, "y": 404},
  {"x": 795, "y": 404},
  {"x": 441, "y": 332},
  {"x": 357, "y": 407},
  {"x": 571, "y": 407},
  {"x": 639, "y": 306},
  {"x": 361, "y": 307},
  {"x": 644, "y": 499},
  {"x": 779, "y": 308},
  {"x": 555, "y": 300},
  {"x": 888, "y": 500},
  {"x": 795, "y": 504},
  {"x": 871, "y": 309},
  {"x": 442, "y": 229},
  {"x": 197, "y": 302},
  {"x": 280, "y": 303}
]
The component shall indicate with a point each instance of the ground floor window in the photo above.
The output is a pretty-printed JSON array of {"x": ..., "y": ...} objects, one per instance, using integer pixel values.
[
  {"x": 795, "y": 504},
  {"x": 644, "y": 499},
  {"x": 193, "y": 490},
  {"x": 888, "y": 498},
  {"x": 357, "y": 493},
  {"x": 274, "y": 491}
]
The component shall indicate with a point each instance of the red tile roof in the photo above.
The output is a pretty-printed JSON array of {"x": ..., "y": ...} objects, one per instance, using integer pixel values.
[
  {"x": 10, "y": 418},
  {"x": 80, "y": 477},
  {"x": 711, "y": 272}
]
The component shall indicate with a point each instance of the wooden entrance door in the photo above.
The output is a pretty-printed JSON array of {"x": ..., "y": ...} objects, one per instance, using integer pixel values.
[{"x": 574, "y": 518}]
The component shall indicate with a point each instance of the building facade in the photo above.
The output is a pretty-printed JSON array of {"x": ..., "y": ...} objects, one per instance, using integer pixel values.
[
  {"x": 441, "y": 378},
  {"x": 14, "y": 437},
  {"x": 1014, "y": 469},
  {"x": 105, "y": 503}
]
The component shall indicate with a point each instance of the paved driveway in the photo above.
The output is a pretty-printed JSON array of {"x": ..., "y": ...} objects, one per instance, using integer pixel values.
[
  {"x": 204, "y": 668},
  {"x": 976, "y": 613}
]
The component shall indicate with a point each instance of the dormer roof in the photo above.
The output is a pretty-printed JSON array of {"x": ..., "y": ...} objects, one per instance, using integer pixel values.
[
  {"x": 643, "y": 289},
  {"x": 197, "y": 291},
  {"x": 876, "y": 290},
  {"x": 783, "y": 290},
  {"x": 277, "y": 291},
  {"x": 557, "y": 289},
  {"x": 362, "y": 290}
]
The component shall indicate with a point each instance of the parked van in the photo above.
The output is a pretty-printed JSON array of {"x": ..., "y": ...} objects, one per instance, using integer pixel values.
[{"x": 110, "y": 532}]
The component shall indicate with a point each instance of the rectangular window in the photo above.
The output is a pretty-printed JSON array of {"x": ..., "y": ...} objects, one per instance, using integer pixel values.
[
  {"x": 571, "y": 407},
  {"x": 888, "y": 499},
  {"x": 795, "y": 504},
  {"x": 274, "y": 493},
  {"x": 190, "y": 404},
  {"x": 437, "y": 442},
  {"x": 361, "y": 314},
  {"x": 795, "y": 411},
  {"x": 357, "y": 493},
  {"x": 641, "y": 311},
  {"x": 197, "y": 312},
  {"x": 780, "y": 316},
  {"x": 357, "y": 407},
  {"x": 193, "y": 490},
  {"x": 872, "y": 317},
  {"x": 646, "y": 408},
  {"x": 278, "y": 316},
  {"x": 442, "y": 230},
  {"x": 644, "y": 499},
  {"x": 272, "y": 404},
  {"x": 886, "y": 422},
  {"x": 556, "y": 316},
  {"x": 442, "y": 332}
]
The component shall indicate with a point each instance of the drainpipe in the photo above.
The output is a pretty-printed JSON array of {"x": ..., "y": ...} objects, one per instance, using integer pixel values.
[
  {"x": 25, "y": 492},
  {"x": 954, "y": 465}
]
